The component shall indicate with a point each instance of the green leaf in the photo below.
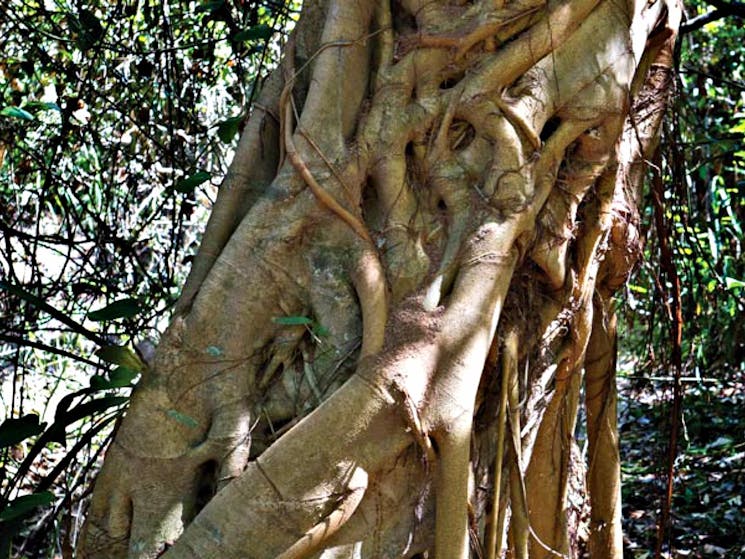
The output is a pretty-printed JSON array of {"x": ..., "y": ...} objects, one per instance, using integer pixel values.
[
  {"x": 122, "y": 376},
  {"x": 739, "y": 128},
  {"x": 733, "y": 283},
  {"x": 91, "y": 23},
  {"x": 88, "y": 28},
  {"x": 292, "y": 320},
  {"x": 182, "y": 418},
  {"x": 320, "y": 330},
  {"x": 118, "y": 378},
  {"x": 123, "y": 308},
  {"x": 723, "y": 441},
  {"x": 257, "y": 32},
  {"x": 15, "y": 430},
  {"x": 214, "y": 351},
  {"x": 227, "y": 129},
  {"x": 44, "y": 106},
  {"x": 17, "y": 112},
  {"x": 190, "y": 183},
  {"x": 23, "y": 505},
  {"x": 64, "y": 415},
  {"x": 99, "y": 382},
  {"x": 120, "y": 355},
  {"x": 210, "y": 6}
]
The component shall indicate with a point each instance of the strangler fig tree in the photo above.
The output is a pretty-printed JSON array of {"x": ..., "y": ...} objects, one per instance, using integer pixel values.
[{"x": 405, "y": 286}]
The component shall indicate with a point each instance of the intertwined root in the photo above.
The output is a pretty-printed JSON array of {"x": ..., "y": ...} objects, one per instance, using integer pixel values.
[{"x": 421, "y": 187}]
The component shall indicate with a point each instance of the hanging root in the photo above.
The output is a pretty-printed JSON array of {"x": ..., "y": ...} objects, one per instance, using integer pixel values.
[
  {"x": 604, "y": 468},
  {"x": 286, "y": 113},
  {"x": 494, "y": 536},
  {"x": 520, "y": 522},
  {"x": 369, "y": 282}
]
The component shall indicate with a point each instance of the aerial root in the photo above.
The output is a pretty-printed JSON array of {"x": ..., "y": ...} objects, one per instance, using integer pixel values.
[
  {"x": 464, "y": 42},
  {"x": 369, "y": 282},
  {"x": 286, "y": 114},
  {"x": 496, "y": 520}
]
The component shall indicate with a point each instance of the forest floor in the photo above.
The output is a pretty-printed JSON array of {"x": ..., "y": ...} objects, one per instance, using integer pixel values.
[
  {"x": 708, "y": 509},
  {"x": 708, "y": 512}
]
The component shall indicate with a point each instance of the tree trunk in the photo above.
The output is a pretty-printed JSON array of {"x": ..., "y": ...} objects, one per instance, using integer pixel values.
[{"x": 403, "y": 292}]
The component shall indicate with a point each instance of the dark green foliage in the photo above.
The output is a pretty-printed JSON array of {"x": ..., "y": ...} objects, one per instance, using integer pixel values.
[
  {"x": 86, "y": 28},
  {"x": 23, "y": 505},
  {"x": 17, "y": 112},
  {"x": 120, "y": 355},
  {"x": 702, "y": 165},
  {"x": 15, "y": 430},
  {"x": 228, "y": 129},
  {"x": 123, "y": 308},
  {"x": 118, "y": 378},
  {"x": 258, "y": 32},
  {"x": 188, "y": 184},
  {"x": 106, "y": 111},
  {"x": 703, "y": 162}
]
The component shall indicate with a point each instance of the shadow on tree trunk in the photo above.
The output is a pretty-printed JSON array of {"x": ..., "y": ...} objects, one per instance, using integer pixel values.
[{"x": 430, "y": 209}]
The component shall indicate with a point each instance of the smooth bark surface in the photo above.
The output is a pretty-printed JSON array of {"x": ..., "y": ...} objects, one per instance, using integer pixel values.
[{"x": 429, "y": 211}]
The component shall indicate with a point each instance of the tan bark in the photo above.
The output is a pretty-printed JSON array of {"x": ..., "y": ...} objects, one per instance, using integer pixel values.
[{"x": 417, "y": 178}]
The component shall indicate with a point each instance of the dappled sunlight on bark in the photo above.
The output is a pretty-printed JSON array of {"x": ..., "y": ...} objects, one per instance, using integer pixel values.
[{"x": 449, "y": 200}]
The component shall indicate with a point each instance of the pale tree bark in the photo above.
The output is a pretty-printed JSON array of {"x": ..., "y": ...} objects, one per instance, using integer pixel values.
[{"x": 404, "y": 289}]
